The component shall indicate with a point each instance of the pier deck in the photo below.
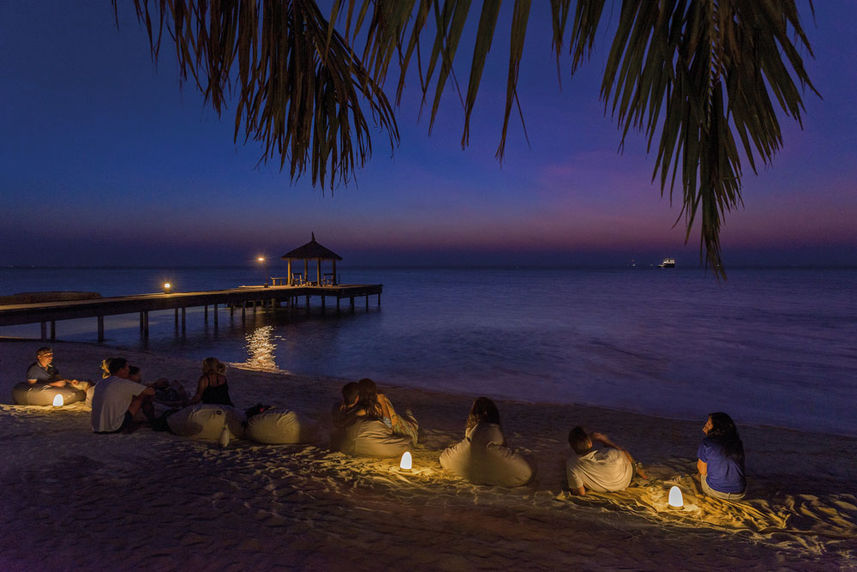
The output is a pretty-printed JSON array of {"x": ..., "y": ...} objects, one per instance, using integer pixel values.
[{"x": 48, "y": 313}]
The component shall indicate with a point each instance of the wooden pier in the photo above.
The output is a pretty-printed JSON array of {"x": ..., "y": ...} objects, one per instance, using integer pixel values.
[{"x": 294, "y": 298}]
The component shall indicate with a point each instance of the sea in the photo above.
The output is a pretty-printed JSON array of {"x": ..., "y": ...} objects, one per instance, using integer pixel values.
[{"x": 770, "y": 346}]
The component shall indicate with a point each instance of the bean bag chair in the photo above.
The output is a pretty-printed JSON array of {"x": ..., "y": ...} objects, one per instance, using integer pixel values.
[
  {"x": 278, "y": 426},
  {"x": 483, "y": 459},
  {"x": 205, "y": 421},
  {"x": 372, "y": 438},
  {"x": 43, "y": 394}
]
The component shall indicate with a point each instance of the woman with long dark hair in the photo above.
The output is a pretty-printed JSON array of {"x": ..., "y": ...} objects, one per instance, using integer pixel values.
[
  {"x": 483, "y": 456},
  {"x": 720, "y": 459},
  {"x": 363, "y": 423},
  {"x": 483, "y": 410},
  {"x": 371, "y": 403}
]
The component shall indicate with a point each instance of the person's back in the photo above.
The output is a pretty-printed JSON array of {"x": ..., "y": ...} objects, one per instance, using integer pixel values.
[
  {"x": 216, "y": 392},
  {"x": 212, "y": 387},
  {"x": 720, "y": 459},
  {"x": 725, "y": 473},
  {"x": 483, "y": 456},
  {"x": 601, "y": 469},
  {"x": 112, "y": 398}
]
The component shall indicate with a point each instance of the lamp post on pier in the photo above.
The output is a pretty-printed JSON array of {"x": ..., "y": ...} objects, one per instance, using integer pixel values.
[{"x": 264, "y": 262}]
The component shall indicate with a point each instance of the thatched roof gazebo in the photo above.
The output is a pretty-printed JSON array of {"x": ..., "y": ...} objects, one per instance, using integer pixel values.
[{"x": 312, "y": 250}]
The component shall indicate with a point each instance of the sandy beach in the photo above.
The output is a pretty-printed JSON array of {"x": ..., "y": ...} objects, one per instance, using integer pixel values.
[{"x": 156, "y": 501}]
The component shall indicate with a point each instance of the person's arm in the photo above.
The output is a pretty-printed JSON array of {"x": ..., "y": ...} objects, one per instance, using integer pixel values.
[
  {"x": 161, "y": 383},
  {"x": 62, "y": 382},
  {"x": 603, "y": 439},
  {"x": 200, "y": 387},
  {"x": 387, "y": 410},
  {"x": 137, "y": 402},
  {"x": 702, "y": 467},
  {"x": 575, "y": 484}
]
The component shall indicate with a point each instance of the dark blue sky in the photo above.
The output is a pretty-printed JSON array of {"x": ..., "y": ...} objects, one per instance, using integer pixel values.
[{"x": 104, "y": 159}]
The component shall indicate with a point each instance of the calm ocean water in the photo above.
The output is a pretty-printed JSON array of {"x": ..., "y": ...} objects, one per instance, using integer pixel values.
[{"x": 768, "y": 346}]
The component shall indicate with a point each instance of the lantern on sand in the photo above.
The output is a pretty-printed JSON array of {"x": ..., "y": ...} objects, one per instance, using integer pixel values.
[{"x": 676, "y": 500}]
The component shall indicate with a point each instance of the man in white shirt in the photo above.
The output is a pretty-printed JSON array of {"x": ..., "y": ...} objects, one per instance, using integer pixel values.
[
  {"x": 607, "y": 467},
  {"x": 117, "y": 400}
]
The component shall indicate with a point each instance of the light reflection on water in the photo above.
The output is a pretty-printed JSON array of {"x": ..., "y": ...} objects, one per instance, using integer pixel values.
[{"x": 260, "y": 349}]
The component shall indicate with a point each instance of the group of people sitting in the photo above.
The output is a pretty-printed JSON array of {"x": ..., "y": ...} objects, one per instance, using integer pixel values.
[
  {"x": 121, "y": 401},
  {"x": 600, "y": 465},
  {"x": 365, "y": 423}
]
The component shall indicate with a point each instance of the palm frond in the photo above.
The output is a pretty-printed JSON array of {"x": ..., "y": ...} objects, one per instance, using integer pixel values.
[
  {"x": 300, "y": 91},
  {"x": 704, "y": 78},
  {"x": 709, "y": 66}
]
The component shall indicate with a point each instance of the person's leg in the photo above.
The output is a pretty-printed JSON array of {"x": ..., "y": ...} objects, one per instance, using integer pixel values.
[
  {"x": 144, "y": 404},
  {"x": 128, "y": 424},
  {"x": 148, "y": 407},
  {"x": 136, "y": 405},
  {"x": 717, "y": 494},
  {"x": 408, "y": 427}
]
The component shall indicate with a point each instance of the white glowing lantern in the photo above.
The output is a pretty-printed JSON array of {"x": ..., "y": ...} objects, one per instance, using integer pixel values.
[
  {"x": 167, "y": 287},
  {"x": 676, "y": 500},
  {"x": 58, "y": 402},
  {"x": 406, "y": 463}
]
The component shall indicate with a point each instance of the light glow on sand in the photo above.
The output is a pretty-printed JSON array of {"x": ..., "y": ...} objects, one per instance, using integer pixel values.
[
  {"x": 58, "y": 401},
  {"x": 407, "y": 463},
  {"x": 676, "y": 500}
]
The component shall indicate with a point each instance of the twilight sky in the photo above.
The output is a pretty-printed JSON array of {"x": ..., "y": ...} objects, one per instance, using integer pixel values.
[{"x": 104, "y": 159}]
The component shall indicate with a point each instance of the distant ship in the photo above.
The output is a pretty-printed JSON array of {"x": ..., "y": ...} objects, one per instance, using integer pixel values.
[{"x": 667, "y": 263}]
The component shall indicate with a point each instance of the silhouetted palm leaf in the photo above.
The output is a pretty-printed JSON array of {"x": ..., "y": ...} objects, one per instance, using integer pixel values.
[
  {"x": 299, "y": 88},
  {"x": 691, "y": 73}
]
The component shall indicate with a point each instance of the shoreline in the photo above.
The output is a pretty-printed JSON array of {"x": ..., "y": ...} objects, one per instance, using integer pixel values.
[
  {"x": 152, "y": 500},
  {"x": 108, "y": 349}
]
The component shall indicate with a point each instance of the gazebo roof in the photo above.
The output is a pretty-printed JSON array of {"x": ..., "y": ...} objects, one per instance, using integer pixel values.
[{"x": 312, "y": 250}]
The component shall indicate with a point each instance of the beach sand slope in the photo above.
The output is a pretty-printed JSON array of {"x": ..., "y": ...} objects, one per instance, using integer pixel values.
[{"x": 154, "y": 501}]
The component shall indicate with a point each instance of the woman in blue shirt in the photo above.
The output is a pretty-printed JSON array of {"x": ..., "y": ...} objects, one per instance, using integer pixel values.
[{"x": 720, "y": 459}]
